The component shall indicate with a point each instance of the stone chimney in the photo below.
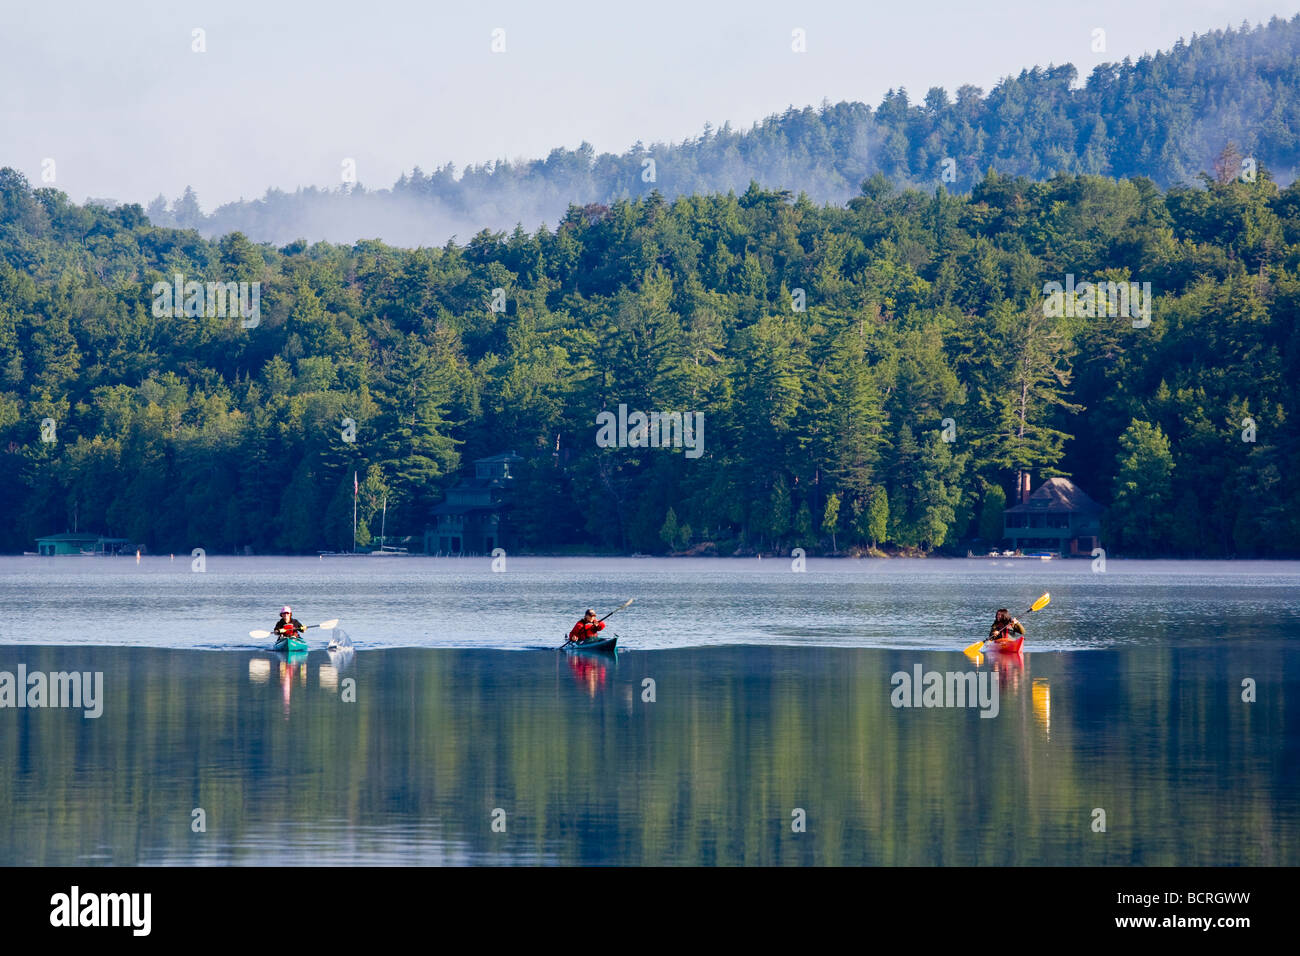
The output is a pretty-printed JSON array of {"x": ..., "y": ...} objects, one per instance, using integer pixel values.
[{"x": 1024, "y": 487}]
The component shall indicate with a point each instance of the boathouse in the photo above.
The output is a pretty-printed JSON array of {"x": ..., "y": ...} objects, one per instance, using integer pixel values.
[
  {"x": 474, "y": 517},
  {"x": 73, "y": 543},
  {"x": 1057, "y": 516}
]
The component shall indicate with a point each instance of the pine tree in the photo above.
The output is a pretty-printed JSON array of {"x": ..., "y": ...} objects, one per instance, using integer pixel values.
[
  {"x": 1139, "y": 517},
  {"x": 831, "y": 519}
]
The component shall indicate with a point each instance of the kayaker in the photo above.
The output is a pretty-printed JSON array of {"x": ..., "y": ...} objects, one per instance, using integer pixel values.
[
  {"x": 586, "y": 629},
  {"x": 288, "y": 625},
  {"x": 1004, "y": 625}
]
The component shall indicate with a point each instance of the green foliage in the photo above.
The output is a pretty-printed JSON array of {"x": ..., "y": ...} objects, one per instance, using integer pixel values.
[
  {"x": 991, "y": 519},
  {"x": 1140, "y": 514},
  {"x": 821, "y": 426},
  {"x": 875, "y": 526},
  {"x": 803, "y": 526},
  {"x": 831, "y": 518},
  {"x": 669, "y": 532}
]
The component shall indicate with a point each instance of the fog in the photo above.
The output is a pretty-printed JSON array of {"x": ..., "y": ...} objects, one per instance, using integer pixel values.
[{"x": 267, "y": 110}]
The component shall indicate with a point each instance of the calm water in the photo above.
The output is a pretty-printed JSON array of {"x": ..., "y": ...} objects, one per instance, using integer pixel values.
[
  {"x": 772, "y": 694},
  {"x": 448, "y": 602}
]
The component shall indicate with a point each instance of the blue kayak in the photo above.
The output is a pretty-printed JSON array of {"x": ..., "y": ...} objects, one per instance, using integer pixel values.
[{"x": 606, "y": 645}]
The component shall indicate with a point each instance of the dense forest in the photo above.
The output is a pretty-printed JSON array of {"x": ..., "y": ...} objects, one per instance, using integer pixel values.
[
  {"x": 1165, "y": 117},
  {"x": 825, "y": 345}
]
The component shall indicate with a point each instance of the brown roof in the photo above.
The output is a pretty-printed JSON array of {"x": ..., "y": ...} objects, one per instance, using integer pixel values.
[{"x": 1059, "y": 495}]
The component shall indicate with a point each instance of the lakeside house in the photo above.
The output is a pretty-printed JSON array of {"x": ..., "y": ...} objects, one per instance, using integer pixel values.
[
  {"x": 474, "y": 517},
  {"x": 72, "y": 542},
  {"x": 1057, "y": 516}
]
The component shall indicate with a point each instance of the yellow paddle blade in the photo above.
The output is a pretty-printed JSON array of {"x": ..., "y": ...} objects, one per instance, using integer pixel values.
[
  {"x": 1041, "y": 603},
  {"x": 974, "y": 648}
]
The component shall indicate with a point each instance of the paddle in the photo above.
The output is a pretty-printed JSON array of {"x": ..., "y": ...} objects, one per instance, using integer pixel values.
[
  {"x": 619, "y": 608},
  {"x": 1038, "y": 605},
  {"x": 610, "y": 614},
  {"x": 324, "y": 626}
]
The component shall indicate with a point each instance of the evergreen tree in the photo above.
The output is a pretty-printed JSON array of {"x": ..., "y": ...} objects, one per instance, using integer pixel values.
[{"x": 1139, "y": 518}]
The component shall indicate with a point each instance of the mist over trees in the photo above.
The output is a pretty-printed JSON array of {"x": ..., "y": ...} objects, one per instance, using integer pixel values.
[
  {"x": 1164, "y": 117},
  {"x": 826, "y": 345}
]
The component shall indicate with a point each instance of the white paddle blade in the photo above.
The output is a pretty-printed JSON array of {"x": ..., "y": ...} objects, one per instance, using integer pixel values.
[
  {"x": 259, "y": 634},
  {"x": 328, "y": 625}
]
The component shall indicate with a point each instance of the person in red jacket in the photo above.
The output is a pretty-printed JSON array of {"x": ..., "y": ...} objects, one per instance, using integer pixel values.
[{"x": 586, "y": 629}]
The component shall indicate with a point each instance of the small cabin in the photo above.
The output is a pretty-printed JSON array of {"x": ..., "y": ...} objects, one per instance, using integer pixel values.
[
  {"x": 474, "y": 517},
  {"x": 1056, "y": 516}
]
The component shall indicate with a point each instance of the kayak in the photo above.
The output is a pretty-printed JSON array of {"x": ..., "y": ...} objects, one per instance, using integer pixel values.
[
  {"x": 290, "y": 644},
  {"x": 606, "y": 645},
  {"x": 1007, "y": 645}
]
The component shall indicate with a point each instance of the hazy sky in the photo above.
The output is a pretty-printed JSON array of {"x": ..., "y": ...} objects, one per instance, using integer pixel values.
[{"x": 286, "y": 90}]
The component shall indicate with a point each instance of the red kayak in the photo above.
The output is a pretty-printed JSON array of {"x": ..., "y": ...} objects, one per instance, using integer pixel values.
[{"x": 1007, "y": 645}]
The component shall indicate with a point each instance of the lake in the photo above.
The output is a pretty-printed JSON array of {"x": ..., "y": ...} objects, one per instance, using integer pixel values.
[{"x": 750, "y": 720}]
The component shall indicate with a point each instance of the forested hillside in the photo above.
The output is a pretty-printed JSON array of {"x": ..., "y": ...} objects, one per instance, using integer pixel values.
[
  {"x": 824, "y": 345},
  {"x": 1165, "y": 117}
]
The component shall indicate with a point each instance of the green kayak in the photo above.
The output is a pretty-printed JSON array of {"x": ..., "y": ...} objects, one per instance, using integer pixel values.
[
  {"x": 290, "y": 644},
  {"x": 605, "y": 646}
]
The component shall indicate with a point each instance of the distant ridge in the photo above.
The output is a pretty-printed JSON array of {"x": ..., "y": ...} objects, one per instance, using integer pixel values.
[{"x": 1165, "y": 116}]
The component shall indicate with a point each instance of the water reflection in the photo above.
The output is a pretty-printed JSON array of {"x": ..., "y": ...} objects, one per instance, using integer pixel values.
[
  {"x": 1042, "y": 696},
  {"x": 707, "y": 773},
  {"x": 292, "y": 666},
  {"x": 1010, "y": 669},
  {"x": 590, "y": 671}
]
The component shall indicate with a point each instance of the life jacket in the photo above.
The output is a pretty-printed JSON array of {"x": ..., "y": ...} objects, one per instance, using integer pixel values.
[
  {"x": 582, "y": 631},
  {"x": 1003, "y": 633}
]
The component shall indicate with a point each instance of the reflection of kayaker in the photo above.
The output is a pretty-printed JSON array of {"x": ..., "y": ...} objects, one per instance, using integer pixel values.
[
  {"x": 589, "y": 671},
  {"x": 295, "y": 665}
]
